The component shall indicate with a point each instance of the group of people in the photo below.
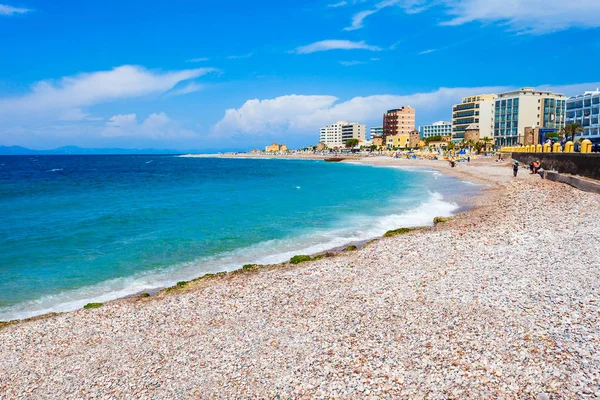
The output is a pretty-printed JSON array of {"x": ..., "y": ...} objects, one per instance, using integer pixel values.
[{"x": 535, "y": 167}]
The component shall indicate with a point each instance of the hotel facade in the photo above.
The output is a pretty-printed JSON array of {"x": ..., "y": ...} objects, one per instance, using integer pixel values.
[
  {"x": 584, "y": 110},
  {"x": 440, "y": 128},
  {"x": 399, "y": 121},
  {"x": 478, "y": 109},
  {"x": 526, "y": 108},
  {"x": 336, "y": 135}
]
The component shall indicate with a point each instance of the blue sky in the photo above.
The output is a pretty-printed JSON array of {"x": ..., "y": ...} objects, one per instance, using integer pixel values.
[{"x": 238, "y": 74}]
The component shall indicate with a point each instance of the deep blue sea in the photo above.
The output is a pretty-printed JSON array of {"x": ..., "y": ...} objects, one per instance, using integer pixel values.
[{"x": 77, "y": 229}]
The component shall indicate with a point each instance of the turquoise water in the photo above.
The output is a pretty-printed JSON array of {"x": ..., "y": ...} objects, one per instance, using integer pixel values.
[{"x": 77, "y": 229}]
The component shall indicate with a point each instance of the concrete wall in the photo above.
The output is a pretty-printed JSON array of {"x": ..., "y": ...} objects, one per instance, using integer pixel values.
[{"x": 587, "y": 165}]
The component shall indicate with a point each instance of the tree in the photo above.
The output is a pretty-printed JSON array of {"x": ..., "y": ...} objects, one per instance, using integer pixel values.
[
  {"x": 572, "y": 129},
  {"x": 351, "y": 143},
  {"x": 451, "y": 146}
]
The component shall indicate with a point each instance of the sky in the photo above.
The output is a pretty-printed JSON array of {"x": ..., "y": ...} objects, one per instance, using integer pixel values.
[{"x": 237, "y": 75}]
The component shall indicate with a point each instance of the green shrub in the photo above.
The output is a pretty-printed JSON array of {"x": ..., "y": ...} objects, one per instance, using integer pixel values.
[
  {"x": 299, "y": 259},
  {"x": 144, "y": 295},
  {"x": 438, "y": 220},
  {"x": 350, "y": 248},
  {"x": 93, "y": 305},
  {"x": 181, "y": 283}
]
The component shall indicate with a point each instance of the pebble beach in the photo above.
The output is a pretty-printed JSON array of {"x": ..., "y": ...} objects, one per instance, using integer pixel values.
[{"x": 502, "y": 301}]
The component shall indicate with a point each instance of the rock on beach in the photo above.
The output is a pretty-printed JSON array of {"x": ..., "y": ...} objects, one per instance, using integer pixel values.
[{"x": 500, "y": 302}]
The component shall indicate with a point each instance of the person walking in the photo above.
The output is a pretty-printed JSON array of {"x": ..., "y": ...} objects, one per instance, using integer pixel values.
[{"x": 515, "y": 166}]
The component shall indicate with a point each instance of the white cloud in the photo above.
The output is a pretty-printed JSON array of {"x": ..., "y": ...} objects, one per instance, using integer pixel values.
[
  {"x": 527, "y": 16},
  {"x": 340, "y": 4},
  {"x": 75, "y": 92},
  {"x": 305, "y": 114},
  {"x": 427, "y": 51},
  {"x": 9, "y": 10},
  {"x": 155, "y": 126},
  {"x": 351, "y": 63},
  {"x": 199, "y": 59},
  {"x": 189, "y": 88},
  {"x": 326, "y": 45},
  {"x": 410, "y": 6},
  {"x": 240, "y": 57},
  {"x": 524, "y": 16}
]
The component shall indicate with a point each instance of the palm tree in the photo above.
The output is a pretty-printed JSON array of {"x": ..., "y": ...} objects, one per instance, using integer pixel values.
[
  {"x": 572, "y": 129},
  {"x": 486, "y": 140}
]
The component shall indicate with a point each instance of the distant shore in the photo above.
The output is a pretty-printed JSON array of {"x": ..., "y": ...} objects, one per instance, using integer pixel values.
[{"x": 494, "y": 303}]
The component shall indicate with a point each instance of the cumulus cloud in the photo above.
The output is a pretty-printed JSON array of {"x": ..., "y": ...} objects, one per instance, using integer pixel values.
[
  {"x": 155, "y": 126},
  {"x": 9, "y": 10},
  {"x": 524, "y": 16},
  {"x": 75, "y": 92},
  {"x": 326, "y": 45},
  {"x": 305, "y": 114}
]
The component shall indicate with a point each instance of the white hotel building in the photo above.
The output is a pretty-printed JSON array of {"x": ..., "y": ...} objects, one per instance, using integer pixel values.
[
  {"x": 584, "y": 110},
  {"x": 440, "y": 128},
  {"x": 336, "y": 135}
]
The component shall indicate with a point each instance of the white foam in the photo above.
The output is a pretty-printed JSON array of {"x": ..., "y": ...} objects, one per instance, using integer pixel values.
[{"x": 356, "y": 229}]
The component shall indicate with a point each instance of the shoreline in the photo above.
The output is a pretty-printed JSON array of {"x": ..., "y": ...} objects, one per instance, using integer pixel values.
[
  {"x": 495, "y": 303},
  {"x": 464, "y": 206}
]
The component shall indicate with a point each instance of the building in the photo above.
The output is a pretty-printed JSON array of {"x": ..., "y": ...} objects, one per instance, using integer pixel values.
[
  {"x": 584, "y": 110},
  {"x": 526, "y": 108},
  {"x": 376, "y": 131},
  {"x": 377, "y": 140},
  {"x": 399, "y": 121},
  {"x": 477, "y": 109},
  {"x": 336, "y": 135},
  {"x": 397, "y": 141},
  {"x": 275, "y": 148},
  {"x": 440, "y": 128}
]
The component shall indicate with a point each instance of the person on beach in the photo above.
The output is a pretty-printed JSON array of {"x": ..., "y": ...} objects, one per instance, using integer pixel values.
[
  {"x": 532, "y": 167},
  {"x": 515, "y": 168}
]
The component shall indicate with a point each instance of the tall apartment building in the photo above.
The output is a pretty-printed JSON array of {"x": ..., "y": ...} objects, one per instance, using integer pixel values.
[
  {"x": 473, "y": 110},
  {"x": 526, "y": 108},
  {"x": 584, "y": 110},
  {"x": 399, "y": 121},
  {"x": 440, "y": 128},
  {"x": 376, "y": 131},
  {"x": 336, "y": 135}
]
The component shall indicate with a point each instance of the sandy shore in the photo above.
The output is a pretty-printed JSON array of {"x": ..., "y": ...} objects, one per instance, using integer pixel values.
[{"x": 500, "y": 302}]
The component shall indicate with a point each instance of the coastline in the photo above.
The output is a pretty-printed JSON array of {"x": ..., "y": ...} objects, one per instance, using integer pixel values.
[
  {"x": 370, "y": 287},
  {"x": 279, "y": 256}
]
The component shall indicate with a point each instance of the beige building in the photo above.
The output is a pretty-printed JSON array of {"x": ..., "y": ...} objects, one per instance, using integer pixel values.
[
  {"x": 478, "y": 109},
  {"x": 336, "y": 135},
  {"x": 399, "y": 121},
  {"x": 526, "y": 108},
  {"x": 275, "y": 148}
]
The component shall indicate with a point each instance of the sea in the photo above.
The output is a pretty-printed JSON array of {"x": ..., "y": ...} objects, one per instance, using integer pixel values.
[{"x": 80, "y": 229}]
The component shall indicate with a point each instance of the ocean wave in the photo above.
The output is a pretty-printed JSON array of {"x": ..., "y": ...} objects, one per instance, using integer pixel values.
[{"x": 351, "y": 230}]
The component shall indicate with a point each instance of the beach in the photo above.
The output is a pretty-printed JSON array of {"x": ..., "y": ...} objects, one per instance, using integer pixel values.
[{"x": 499, "y": 302}]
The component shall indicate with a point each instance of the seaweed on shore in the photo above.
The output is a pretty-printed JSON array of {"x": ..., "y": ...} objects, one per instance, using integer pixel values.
[
  {"x": 92, "y": 305},
  {"x": 399, "y": 231},
  {"x": 439, "y": 220},
  {"x": 351, "y": 248}
]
